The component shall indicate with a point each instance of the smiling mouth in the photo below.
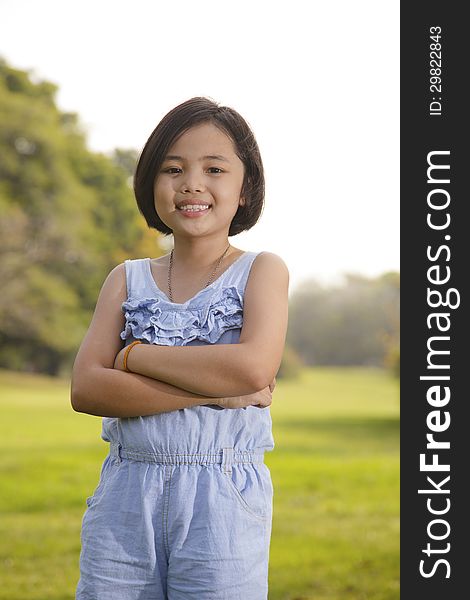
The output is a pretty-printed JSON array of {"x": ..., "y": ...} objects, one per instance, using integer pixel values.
[{"x": 193, "y": 207}]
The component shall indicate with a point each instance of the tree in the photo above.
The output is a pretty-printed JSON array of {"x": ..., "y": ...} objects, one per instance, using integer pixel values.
[
  {"x": 353, "y": 323},
  {"x": 68, "y": 216}
]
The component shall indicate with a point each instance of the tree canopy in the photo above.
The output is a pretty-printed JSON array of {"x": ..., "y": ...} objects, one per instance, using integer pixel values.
[
  {"x": 68, "y": 216},
  {"x": 356, "y": 322}
]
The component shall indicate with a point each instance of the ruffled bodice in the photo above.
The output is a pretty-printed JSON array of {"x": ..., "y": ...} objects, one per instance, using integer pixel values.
[
  {"x": 159, "y": 321},
  {"x": 213, "y": 316}
]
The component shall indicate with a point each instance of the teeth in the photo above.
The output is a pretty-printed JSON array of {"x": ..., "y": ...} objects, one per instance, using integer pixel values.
[{"x": 194, "y": 207}]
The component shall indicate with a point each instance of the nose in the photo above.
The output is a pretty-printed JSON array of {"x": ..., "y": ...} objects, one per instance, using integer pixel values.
[{"x": 191, "y": 182}]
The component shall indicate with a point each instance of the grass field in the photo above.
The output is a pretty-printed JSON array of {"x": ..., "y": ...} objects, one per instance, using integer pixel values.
[{"x": 335, "y": 470}]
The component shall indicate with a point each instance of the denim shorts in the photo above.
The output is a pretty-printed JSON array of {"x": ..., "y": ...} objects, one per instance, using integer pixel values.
[{"x": 177, "y": 527}]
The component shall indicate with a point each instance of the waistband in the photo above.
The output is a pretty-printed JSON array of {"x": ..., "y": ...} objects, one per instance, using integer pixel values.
[{"x": 225, "y": 456}]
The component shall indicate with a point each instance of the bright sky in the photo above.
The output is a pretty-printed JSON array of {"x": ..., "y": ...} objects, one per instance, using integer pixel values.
[{"x": 317, "y": 81}]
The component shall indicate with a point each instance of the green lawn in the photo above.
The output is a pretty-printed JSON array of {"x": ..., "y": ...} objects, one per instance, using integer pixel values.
[{"x": 335, "y": 470}]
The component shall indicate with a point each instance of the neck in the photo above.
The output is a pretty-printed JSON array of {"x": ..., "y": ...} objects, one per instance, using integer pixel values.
[{"x": 199, "y": 253}]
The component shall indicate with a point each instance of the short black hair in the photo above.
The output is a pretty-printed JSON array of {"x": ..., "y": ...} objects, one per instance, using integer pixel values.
[{"x": 193, "y": 112}]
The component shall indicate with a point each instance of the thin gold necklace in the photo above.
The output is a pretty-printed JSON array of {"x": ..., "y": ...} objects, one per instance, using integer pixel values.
[{"x": 170, "y": 267}]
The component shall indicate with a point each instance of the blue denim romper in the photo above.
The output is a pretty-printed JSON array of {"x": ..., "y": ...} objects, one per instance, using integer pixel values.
[{"x": 183, "y": 508}]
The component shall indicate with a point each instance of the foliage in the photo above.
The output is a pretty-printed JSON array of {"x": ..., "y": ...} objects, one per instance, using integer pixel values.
[
  {"x": 392, "y": 355},
  {"x": 354, "y": 323},
  {"x": 68, "y": 216}
]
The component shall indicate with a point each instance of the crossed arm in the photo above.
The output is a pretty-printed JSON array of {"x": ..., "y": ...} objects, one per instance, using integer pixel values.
[{"x": 166, "y": 378}]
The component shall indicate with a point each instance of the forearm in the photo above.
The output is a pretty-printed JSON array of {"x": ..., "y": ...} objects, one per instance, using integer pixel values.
[
  {"x": 212, "y": 370},
  {"x": 113, "y": 393}
]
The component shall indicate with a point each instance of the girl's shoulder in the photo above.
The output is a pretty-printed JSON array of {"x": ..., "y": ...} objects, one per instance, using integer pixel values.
[
  {"x": 268, "y": 272},
  {"x": 269, "y": 262},
  {"x": 265, "y": 271},
  {"x": 116, "y": 278}
]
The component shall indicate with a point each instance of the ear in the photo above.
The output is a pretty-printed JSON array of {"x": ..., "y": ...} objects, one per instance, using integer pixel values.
[{"x": 242, "y": 201}]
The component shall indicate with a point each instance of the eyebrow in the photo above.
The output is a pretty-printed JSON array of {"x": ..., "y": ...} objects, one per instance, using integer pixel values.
[{"x": 208, "y": 156}]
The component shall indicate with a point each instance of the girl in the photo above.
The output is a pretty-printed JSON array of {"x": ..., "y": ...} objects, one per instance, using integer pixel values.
[{"x": 183, "y": 507}]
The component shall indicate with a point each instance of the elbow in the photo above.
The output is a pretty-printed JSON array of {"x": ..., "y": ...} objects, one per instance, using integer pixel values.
[
  {"x": 260, "y": 377},
  {"x": 79, "y": 397},
  {"x": 83, "y": 403},
  {"x": 83, "y": 390},
  {"x": 76, "y": 400},
  {"x": 260, "y": 367}
]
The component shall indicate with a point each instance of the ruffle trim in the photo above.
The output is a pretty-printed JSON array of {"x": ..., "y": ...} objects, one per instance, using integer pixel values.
[{"x": 156, "y": 321}]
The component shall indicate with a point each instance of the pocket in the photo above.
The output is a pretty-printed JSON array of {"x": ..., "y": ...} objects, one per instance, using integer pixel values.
[
  {"x": 96, "y": 494},
  {"x": 109, "y": 466},
  {"x": 251, "y": 487}
]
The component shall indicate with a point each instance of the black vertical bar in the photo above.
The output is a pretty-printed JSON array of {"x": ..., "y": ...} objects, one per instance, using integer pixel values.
[{"x": 434, "y": 256}]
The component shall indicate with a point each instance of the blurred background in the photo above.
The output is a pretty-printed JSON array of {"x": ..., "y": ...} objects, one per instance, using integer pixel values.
[{"x": 82, "y": 85}]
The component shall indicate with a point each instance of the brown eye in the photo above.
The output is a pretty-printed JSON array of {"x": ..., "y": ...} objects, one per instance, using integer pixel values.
[{"x": 171, "y": 170}]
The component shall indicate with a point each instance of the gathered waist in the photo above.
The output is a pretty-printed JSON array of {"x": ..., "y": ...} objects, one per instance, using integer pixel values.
[
  {"x": 224, "y": 456},
  {"x": 187, "y": 432}
]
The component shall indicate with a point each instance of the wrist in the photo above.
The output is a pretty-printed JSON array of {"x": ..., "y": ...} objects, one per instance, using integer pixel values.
[{"x": 128, "y": 353}]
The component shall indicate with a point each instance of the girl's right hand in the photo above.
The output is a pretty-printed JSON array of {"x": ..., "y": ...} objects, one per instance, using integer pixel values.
[{"x": 260, "y": 399}]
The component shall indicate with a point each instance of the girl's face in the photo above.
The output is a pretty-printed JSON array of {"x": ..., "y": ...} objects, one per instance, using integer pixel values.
[{"x": 197, "y": 190}]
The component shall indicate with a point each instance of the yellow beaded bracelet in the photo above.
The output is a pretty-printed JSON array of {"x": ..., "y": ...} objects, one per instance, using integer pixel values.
[{"x": 126, "y": 354}]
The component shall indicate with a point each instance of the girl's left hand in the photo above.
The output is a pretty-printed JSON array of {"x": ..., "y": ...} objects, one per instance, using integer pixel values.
[{"x": 119, "y": 360}]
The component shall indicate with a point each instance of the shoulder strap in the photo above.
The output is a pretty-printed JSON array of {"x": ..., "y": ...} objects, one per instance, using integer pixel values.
[
  {"x": 135, "y": 277},
  {"x": 245, "y": 269}
]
